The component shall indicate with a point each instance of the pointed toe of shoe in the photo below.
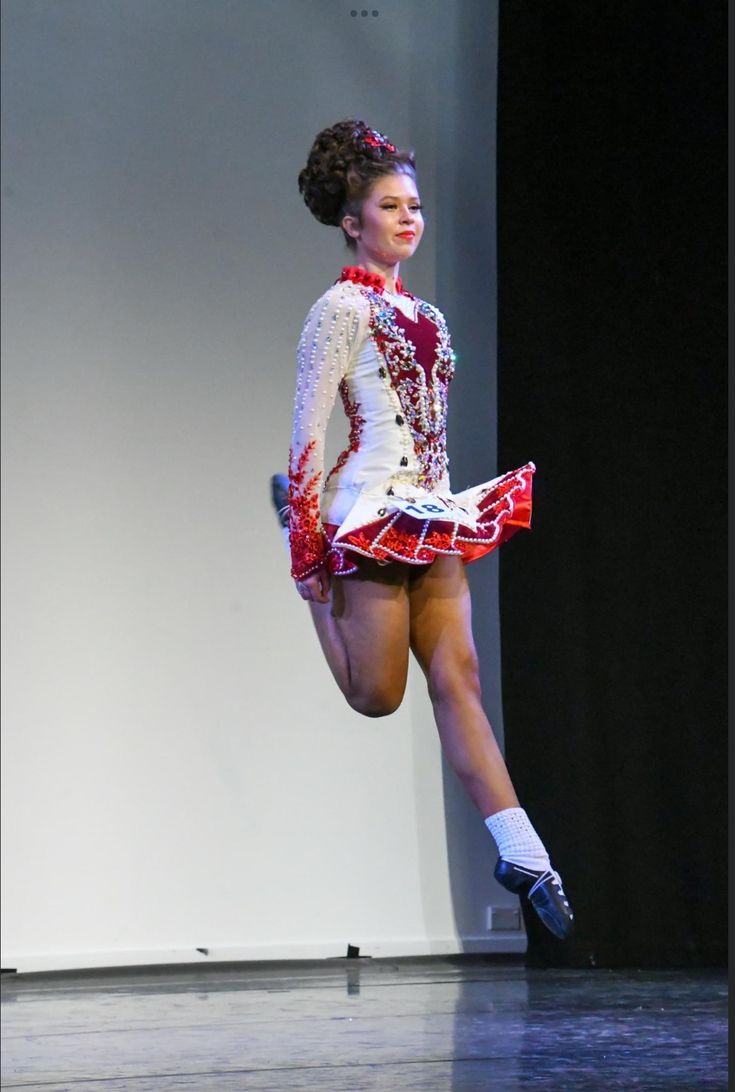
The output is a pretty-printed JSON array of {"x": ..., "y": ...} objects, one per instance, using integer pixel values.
[
  {"x": 551, "y": 905},
  {"x": 544, "y": 891}
]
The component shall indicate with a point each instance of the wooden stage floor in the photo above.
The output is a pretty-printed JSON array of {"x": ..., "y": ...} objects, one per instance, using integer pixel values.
[{"x": 459, "y": 1023}]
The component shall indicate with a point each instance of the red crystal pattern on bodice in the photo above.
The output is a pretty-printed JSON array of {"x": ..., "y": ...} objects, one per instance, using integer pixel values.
[{"x": 356, "y": 426}]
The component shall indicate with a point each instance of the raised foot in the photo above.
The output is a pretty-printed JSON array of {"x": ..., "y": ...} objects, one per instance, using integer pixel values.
[
  {"x": 543, "y": 890},
  {"x": 279, "y": 497}
]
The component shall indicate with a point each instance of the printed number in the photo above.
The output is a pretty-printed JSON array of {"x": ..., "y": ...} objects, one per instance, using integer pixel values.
[{"x": 420, "y": 509}]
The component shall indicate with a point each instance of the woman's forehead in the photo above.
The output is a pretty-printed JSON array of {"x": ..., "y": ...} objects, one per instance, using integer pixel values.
[{"x": 394, "y": 185}]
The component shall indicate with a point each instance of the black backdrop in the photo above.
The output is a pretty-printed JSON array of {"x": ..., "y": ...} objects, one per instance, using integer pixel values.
[{"x": 612, "y": 373}]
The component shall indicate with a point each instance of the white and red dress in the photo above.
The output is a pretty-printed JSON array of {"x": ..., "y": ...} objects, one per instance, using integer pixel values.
[{"x": 388, "y": 497}]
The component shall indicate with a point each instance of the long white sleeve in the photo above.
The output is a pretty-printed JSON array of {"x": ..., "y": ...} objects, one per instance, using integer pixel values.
[{"x": 332, "y": 331}]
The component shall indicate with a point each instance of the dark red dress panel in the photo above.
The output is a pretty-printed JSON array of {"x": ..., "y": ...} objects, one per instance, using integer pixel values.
[{"x": 424, "y": 335}]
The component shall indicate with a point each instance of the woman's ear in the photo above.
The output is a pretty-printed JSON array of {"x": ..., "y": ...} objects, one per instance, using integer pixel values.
[{"x": 351, "y": 226}]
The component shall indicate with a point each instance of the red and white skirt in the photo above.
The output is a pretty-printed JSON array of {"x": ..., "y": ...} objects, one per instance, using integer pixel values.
[{"x": 417, "y": 528}]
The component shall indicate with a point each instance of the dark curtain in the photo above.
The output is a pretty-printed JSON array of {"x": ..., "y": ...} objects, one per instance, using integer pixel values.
[{"x": 612, "y": 358}]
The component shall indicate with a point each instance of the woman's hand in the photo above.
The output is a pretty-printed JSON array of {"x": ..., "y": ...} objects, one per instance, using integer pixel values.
[{"x": 314, "y": 588}]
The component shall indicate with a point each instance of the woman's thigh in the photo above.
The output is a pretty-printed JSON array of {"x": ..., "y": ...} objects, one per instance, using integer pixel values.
[
  {"x": 371, "y": 612},
  {"x": 440, "y": 626}
]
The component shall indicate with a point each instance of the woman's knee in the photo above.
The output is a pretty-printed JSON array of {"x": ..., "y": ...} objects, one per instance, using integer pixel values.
[
  {"x": 377, "y": 701},
  {"x": 455, "y": 679}
]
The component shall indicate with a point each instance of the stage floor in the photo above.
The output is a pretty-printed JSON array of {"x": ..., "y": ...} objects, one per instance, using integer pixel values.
[{"x": 461, "y": 1023}]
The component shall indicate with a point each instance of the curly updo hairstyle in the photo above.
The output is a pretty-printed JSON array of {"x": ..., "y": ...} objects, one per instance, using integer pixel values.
[{"x": 344, "y": 162}]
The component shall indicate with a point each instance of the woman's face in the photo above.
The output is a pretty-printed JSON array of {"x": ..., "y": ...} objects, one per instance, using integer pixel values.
[{"x": 392, "y": 224}]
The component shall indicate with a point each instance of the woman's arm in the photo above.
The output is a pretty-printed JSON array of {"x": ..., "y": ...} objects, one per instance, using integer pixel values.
[{"x": 332, "y": 330}]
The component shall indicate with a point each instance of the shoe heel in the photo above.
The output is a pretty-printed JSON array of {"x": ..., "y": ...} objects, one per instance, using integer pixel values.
[{"x": 513, "y": 878}]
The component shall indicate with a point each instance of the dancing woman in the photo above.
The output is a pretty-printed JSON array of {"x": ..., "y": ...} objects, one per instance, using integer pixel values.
[{"x": 378, "y": 546}]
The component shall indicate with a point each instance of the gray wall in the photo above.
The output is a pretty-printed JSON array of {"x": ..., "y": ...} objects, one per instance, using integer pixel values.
[{"x": 179, "y": 770}]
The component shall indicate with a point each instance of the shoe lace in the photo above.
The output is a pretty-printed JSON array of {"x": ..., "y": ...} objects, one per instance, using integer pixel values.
[{"x": 557, "y": 880}]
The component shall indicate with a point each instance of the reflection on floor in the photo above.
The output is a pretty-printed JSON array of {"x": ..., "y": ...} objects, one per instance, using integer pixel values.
[{"x": 460, "y": 1023}]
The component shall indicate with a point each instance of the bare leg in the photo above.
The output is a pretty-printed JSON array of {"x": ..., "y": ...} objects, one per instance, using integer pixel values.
[
  {"x": 332, "y": 642},
  {"x": 363, "y": 632},
  {"x": 366, "y": 638},
  {"x": 441, "y": 639}
]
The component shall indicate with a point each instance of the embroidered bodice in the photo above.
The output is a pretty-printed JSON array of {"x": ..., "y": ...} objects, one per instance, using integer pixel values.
[{"x": 389, "y": 357}]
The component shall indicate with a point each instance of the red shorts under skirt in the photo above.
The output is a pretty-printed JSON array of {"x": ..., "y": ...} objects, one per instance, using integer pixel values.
[{"x": 414, "y": 530}]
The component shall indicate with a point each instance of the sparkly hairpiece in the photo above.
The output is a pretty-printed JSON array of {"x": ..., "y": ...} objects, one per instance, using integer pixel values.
[{"x": 374, "y": 139}]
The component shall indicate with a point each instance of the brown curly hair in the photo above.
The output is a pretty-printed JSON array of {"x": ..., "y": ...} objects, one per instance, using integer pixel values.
[{"x": 342, "y": 168}]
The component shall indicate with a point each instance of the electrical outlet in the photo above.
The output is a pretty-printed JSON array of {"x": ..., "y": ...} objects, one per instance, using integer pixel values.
[{"x": 505, "y": 918}]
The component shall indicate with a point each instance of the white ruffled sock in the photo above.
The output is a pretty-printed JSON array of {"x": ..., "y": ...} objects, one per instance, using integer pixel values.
[{"x": 516, "y": 839}]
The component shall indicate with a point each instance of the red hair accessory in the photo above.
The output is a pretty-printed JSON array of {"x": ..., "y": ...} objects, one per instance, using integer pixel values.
[{"x": 375, "y": 139}]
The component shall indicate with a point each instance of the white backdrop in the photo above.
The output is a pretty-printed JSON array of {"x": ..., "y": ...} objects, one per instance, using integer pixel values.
[{"x": 179, "y": 770}]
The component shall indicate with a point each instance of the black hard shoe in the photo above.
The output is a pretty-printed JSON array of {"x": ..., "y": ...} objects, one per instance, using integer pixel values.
[
  {"x": 543, "y": 890},
  {"x": 279, "y": 497}
]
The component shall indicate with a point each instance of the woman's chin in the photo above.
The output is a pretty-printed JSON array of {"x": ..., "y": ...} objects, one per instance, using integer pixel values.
[{"x": 404, "y": 253}]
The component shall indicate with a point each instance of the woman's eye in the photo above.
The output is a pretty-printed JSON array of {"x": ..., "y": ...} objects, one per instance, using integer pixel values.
[{"x": 417, "y": 208}]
